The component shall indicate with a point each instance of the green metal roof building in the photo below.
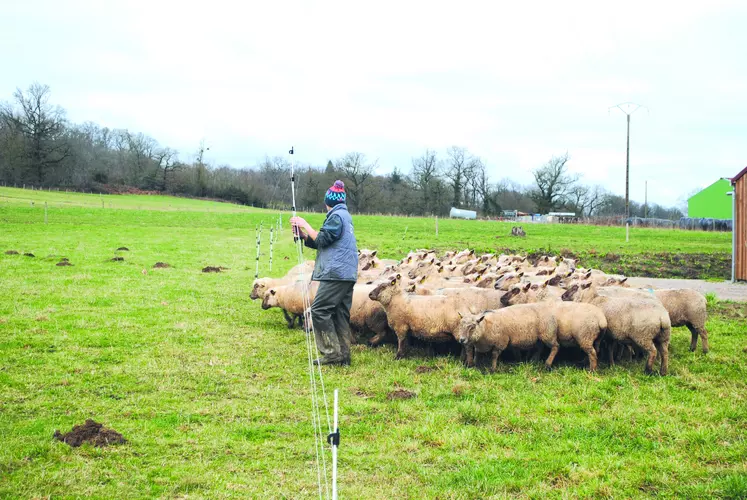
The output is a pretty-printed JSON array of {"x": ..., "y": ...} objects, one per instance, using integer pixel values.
[{"x": 711, "y": 202}]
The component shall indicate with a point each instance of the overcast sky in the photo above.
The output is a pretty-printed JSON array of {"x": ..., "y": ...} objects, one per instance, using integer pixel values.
[{"x": 514, "y": 82}]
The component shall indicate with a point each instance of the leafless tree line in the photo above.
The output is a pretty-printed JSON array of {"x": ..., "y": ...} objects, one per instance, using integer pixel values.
[{"x": 40, "y": 147}]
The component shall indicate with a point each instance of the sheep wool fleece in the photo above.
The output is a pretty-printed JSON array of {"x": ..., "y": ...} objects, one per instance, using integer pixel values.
[{"x": 330, "y": 314}]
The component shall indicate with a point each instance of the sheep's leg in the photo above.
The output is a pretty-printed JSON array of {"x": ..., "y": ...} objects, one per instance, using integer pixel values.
[
  {"x": 663, "y": 349},
  {"x": 650, "y": 348},
  {"x": 695, "y": 331},
  {"x": 592, "y": 354},
  {"x": 401, "y": 344},
  {"x": 553, "y": 352},
  {"x": 289, "y": 319},
  {"x": 377, "y": 339},
  {"x": 494, "y": 361},
  {"x": 469, "y": 356},
  {"x": 611, "y": 353}
]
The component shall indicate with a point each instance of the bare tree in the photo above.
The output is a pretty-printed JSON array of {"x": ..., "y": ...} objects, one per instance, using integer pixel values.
[
  {"x": 553, "y": 183},
  {"x": 166, "y": 160},
  {"x": 456, "y": 171},
  {"x": 41, "y": 126},
  {"x": 357, "y": 172},
  {"x": 425, "y": 169}
]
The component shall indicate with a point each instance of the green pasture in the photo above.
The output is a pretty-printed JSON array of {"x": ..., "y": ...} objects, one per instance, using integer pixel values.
[{"x": 212, "y": 393}]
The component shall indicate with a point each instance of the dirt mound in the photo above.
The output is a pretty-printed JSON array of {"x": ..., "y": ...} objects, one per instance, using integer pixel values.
[
  {"x": 424, "y": 369},
  {"x": 213, "y": 269},
  {"x": 161, "y": 265},
  {"x": 117, "y": 259},
  {"x": 400, "y": 394},
  {"x": 11, "y": 252},
  {"x": 28, "y": 254},
  {"x": 91, "y": 432},
  {"x": 63, "y": 263},
  {"x": 123, "y": 249}
]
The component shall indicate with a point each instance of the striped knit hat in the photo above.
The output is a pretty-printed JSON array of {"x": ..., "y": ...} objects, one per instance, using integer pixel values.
[{"x": 335, "y": 195}]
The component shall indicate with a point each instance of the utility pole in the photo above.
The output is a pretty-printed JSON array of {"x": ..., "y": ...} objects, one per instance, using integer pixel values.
[{"x": 628, "y": 108}]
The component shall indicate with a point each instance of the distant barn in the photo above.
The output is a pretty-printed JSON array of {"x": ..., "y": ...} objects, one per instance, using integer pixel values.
[{"x": 457, "y": 213}]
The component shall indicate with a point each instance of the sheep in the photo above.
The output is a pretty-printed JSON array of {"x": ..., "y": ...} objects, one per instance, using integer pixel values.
[
  {"x": 631, "y": 320},
  {"x": 431, "y": 318},
  {"x": 423, "y": 268},
  {"x": 367, "y": 261},
  {"x": 290, "y": 298},
  {"x": 521, "y": 327},
  {"x": 686, "y": 307},
  {"x": 261, "y": 285},
  {"x": 367, "y": 314},
  {"x": 578, "y": 323}
]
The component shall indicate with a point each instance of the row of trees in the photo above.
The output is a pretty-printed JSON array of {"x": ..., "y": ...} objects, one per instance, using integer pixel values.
[{"x": 40, "y": 147}]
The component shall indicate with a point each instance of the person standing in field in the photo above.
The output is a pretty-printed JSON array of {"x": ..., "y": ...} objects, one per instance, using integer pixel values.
[{"x": 336, "y": 270}]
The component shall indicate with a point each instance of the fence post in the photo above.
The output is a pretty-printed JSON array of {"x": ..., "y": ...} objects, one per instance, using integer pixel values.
[{"x": 45, "y": 212}]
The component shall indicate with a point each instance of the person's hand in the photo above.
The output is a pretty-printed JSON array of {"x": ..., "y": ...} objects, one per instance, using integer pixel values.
[{"x": 300, "y": 223}]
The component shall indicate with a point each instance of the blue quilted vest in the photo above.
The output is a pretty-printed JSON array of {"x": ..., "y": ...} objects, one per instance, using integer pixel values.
[{"x": 339, "y": 261}]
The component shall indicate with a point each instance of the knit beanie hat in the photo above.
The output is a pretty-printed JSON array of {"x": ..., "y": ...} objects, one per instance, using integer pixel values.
[{"x": 335, "y": 195}]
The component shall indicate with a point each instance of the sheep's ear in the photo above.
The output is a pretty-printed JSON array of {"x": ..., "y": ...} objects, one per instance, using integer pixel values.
[
  {"x": 422, "y": 279},
  {"x": 544, "y": 285},
  {"x": 521, "y": 274},
  {"x": 588, "y": 275},
  {"x": 560, "y": 258},
  {"x": 398, "y": 277},
  {"x": 273, "y": 292},
  {"x": 472, "y": 252},
  {"x": 433, "y": 260},
  {"x": 586, "y": 285},
  {"x": 472, "y": 310},
  {"x": 460, "y": 315},
  {"x": 526, "y": 288},
  {"x": 359, "y": 252},
  {"x": 393, "y": 282},
  {"x": 479, "y": 320},
  {"x": 369, "y": 282},
  {"x": 409, "y": 259},
  {"x": 440, "y": 269},
  {"x": 623, "y": 280},
  {"x": 373, "y": 254}
]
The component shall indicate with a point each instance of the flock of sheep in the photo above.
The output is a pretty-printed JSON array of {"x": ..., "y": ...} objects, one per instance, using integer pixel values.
[{"x": 491, "y": 303}]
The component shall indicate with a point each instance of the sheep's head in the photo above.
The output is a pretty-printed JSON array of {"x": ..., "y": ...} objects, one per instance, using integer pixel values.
[
  {"x": 579, "y": 293},
  {"x": 616, "y": 282},
  {"x": 467, "y": 331},
  {"x": 421, "y": 268},
  {"x": 270, "y": 299},
  {"x": 554, "y": 281},
  {"x": 507, "y": 280},
  {"x": 367, "y": 259},
  {"x": 517, "y": 294},
  {"x": 385, "y": 291},
  {"x": 258, "y": 289}
]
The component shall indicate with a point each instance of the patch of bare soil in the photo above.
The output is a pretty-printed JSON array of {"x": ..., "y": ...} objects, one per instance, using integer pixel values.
[
  {"x": 91, "y": 432},
  {"x": 400, "y": 394},
  {"x": 123, "y": 249},
  {"x": 63, "y": 263},
  {"x": 117, "y": 259},
  {"x": 729, "y": 310},
  {"x": 161, "y": 265},
  {"x": 213, "y": 269},
  {"x": 11, "y": 252},
  {"x": 28, "y": 254}
]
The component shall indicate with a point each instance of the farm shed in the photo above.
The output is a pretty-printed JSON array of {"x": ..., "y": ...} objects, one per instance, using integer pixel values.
[
  {"x": 739, "y": 249},
  {"x": 711, "y": 202}
]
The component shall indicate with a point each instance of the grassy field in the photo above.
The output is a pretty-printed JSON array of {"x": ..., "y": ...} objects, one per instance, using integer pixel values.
[{"x": 212, "y": 392}]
